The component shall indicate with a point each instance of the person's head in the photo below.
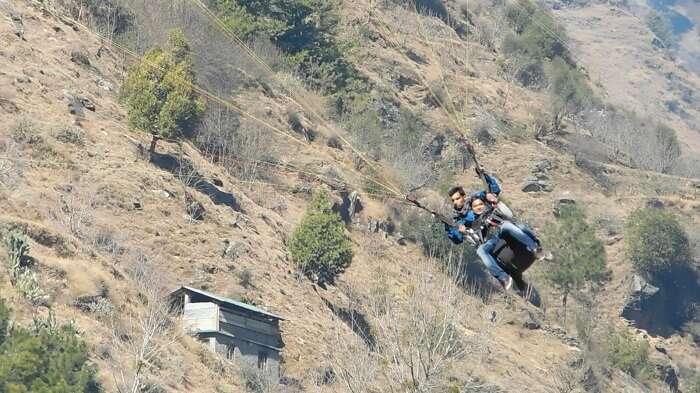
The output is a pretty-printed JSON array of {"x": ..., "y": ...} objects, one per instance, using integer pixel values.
[
  {"x": 458, "y": 196},
  {"x": 478, "y": 206}
]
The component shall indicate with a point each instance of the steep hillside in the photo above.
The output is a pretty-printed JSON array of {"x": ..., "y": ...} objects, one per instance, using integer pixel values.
[{"x": 107, "y": 223}]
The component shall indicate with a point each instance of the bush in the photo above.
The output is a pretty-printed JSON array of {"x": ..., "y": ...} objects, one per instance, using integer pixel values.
[
  {"x": 694, "y": 385},
  {"x": 655, "y": 241},
  {"x": 319, "y": 245},
  {"x": 158, "y": 92},
  {"x": 49, "y": 360},
  {"x": 4, "y": 320},
  {"x": 628, "y": 354},
  {"x": 579, "y": 255},
  {"x": 19, "y": 265},
  {"x": 245, "y": 278},
  {"x": 569, "y": 91},
  {"x": 305, "y": 31},
  {"x": 660, "y": 26}
]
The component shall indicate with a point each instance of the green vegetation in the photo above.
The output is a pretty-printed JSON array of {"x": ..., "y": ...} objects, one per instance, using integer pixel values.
[
  {"x": 305, "y": 31},
  {"x": 158, "y": 91},
  {"x": 660, "y": 26},
  {"x": 694, "y": 385},
  {"x": 538, "y": 51},
  {"x": 569, "y": 91},
  {"x": 579, "y": 255},
  {"x": 319, "y": 245},
  {"x": 655, "y": 241},
  {"x": 628, "y": 354},
  {"x": 48, "y": 360},
  {"x": 19, "y": 265}
]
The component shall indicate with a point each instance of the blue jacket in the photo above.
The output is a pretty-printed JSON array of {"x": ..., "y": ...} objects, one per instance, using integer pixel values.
[{"x": 466, "y": 216}]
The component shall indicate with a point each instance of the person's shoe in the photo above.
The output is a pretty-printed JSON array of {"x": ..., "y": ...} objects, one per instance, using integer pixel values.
[
  {"x": 506, "y": 283},
  {"x": 539, "y": 253}
]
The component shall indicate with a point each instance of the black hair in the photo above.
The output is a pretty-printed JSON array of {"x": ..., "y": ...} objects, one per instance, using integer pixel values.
[{"x": 457, "y": 189}]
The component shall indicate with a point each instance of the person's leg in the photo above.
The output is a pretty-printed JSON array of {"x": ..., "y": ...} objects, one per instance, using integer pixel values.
[
  {"x": 485, "y": 254},
  {"x": 525, "y": 228},
  {"x": 512, "y": 230}
]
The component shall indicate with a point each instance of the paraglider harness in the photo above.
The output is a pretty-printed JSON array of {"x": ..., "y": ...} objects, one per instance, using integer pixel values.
[
  {"x": 478, "y": 234},
  {"x": 513, "y": 257}
]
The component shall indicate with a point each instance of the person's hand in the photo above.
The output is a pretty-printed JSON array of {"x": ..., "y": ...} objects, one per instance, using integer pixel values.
[
  {"x": 491, "y": 197},
  {"x": 462, "y": 229}
]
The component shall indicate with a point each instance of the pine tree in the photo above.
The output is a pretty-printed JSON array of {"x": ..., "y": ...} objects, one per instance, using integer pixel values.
[
  {"x": 579, "y": 255},
  {"x": 319, "y": 245},
  {"x": 159, "y": 91},
  {"x": 655, "y": 241}
]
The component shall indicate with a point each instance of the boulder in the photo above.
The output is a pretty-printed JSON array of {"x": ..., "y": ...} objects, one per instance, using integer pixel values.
[
  {"x": 639, "y": 294},
  {"x": 75, "y": 107},
  {"x": 194, "y": 208},
  {"x": 559, "y": 203},
  {"x": 535, "y": 185},
  {"x": 531, "y": 322},
  {"x": 87, "y": 103},
  {"x": 665, "y": 371},
  {"x": 542, "y": 166}
]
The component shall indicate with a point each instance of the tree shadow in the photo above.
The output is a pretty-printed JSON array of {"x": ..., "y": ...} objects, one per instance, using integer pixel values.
[
  {"x": 673, "y": 307},
  {"x": 185, "y": 171},
  {"x": 356, "y": 321}
]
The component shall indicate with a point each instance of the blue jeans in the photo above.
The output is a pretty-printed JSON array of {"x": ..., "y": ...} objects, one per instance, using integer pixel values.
[{"x": 485, "y": 252}]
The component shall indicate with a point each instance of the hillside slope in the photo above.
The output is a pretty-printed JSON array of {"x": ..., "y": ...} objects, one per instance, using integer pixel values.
[{"x": 97, "y": 210}]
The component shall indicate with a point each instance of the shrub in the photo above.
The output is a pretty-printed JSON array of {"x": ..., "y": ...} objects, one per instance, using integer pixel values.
[
  {"x": 694, "y": 385},
  {"x": 305, "y": 31},
  {"x": 70, "y": 135},
  {"x": 158, "y": 91},
  {"x": 319, "y": 244},
  {"x": 628, "y": 354},
  {"x": 655, "y": 241},
  {"x": 245, "y": 278},
  {"x": 660, "y": 26},
  {"x": 579, "y": 255},
  {"x": 569, "y": 91},
  {"x": 25, "y": 132},
  {"x": 4, "y": 320},
  {"x": 48, "y": 360},
  {"x": 669, "y": 149},
  {"x": 19, "y": 263}
]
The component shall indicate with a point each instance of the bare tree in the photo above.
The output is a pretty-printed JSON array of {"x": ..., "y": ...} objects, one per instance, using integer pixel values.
[
  {"x": 145, "y": 335},
  {"x": 74, "y": 212},
  {"x": 10, "y": 165},
  {"x": 417, "y": 341}
]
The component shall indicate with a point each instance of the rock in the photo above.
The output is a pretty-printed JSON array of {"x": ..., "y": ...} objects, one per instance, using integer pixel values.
[
  {"x": 194, "y": 208},
  {"x": 19, "y": 25},
  {"x": 436, "y": 146},
  {"x": 613, "y": 240},
  {"x": 639, "y": 293},
  {"x": 655, "y": 204},
  {"x": 561, "y": 202},
  {"x": 661, "y": 348},
  {"x": 535, "y": 185},
  {"x": 665, "y": 371},
  {"x": 531, "y": 322},
  {"x": 164, "y": 193},
  {"x": 230, "y": 252},
  {"x": 74, "y": 106},
  {"x": 485, "y": 137},
  {"x": 542, "y": 166},
  {"x": 80, "y": 57},
  {"x": 104, "y": 84},
  {"x": 87, "y": 103},
  {"x": 8, "y": 106}
]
